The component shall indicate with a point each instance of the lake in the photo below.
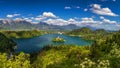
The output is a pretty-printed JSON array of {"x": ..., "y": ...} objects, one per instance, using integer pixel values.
[{"x": 34, "y": 44}]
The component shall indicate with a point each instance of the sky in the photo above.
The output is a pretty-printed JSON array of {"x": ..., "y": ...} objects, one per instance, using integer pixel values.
[{"x": 96, "y": 13}]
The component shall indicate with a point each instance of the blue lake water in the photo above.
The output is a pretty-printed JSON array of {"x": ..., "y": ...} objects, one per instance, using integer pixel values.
[{"x": 36, "y": 43}]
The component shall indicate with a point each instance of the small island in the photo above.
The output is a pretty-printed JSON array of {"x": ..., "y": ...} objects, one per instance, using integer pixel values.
[{"x": 58, "y": 39}]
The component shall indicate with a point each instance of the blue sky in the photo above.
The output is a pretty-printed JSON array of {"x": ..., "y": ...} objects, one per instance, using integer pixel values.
[{"x": 96, "y": 13}]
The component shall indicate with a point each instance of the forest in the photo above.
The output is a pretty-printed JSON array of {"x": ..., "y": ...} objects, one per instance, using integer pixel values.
[{"x": 23, "y": 33}]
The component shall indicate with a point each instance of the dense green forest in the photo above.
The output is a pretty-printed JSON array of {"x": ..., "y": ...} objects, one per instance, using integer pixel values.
[
  {"x": 6, "y": 44},
  {"x": 89, "y": 34},
  {"x": 103, "y": 53},
  {"x": 23, "y": 34}
]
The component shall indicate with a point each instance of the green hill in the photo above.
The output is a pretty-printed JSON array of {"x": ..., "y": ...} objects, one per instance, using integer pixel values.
[
  {"x": 6, "y": 44},
  {"x": 83, "y": 30},
  {"x": 100, "y": 31}
]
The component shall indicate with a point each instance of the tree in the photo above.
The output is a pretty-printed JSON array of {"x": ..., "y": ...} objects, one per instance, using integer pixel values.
[
  {"x": 6, "y": 44},
  {"x": 17, "y": 61}
]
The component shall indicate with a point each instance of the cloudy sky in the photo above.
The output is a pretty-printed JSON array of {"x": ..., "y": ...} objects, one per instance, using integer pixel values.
[{"x": 96, "y": 13}]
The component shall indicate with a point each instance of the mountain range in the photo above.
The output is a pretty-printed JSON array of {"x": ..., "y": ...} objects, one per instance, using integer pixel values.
[{"x": 8, "y": 24}]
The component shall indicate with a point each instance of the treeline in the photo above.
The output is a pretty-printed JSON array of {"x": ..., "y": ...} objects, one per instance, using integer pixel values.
[
  {"x": 88, "y": 34},
  {"x": 23, "y": 34}
]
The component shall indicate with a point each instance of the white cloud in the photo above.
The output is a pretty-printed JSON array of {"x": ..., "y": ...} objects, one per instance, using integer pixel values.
[
  {"x": 108, "y": 21},
  {"x": 9, "y": 16},
  {"x": 85, "y": 9},
  {"x": 39, "y": 18},
  {"x": 77, "y": 7},
  {"x": 59, "y": 22},
  {"x": 44, "y": 16},
  {"x": 27, "y": 19},
  {"x": 35, "y": 22},
  {"x": 49, "y": 14},
  {"x": 87, "y": 20},
  {"x": 72, "y": 21},
  {"x": 101, "y": 17},
  {"x": 104, "y": 20},
  {"x": 23, "y": 19},
  {"x": 12, "y": 15},
  {"x": 67, "y": 7},
  {"x": 18, "y": 19},
  {"x": 82, "y": 22},
  {"x": 96, "y": 8},
  {"x": 107, "y": 0},
  {"x": 31, "y": 17}
]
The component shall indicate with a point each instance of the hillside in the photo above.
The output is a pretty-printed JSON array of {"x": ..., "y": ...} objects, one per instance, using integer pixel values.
[
  {"x": 88, "y": 34},
  {"x": 23, "y": 34},
  {"x": 83, "y": 30},
  {"x": 6, "y": 44}
]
